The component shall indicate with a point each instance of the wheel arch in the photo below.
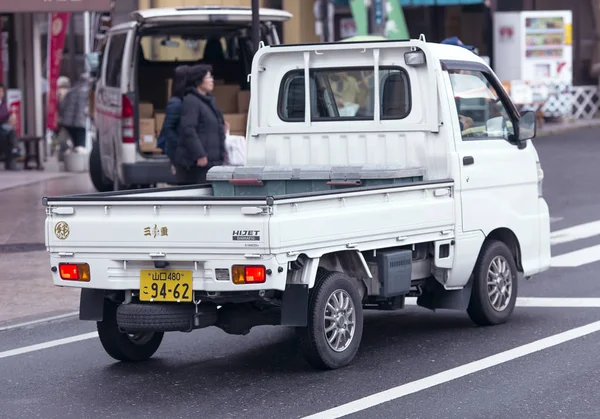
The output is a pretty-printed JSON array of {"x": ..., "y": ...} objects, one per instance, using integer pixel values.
[{"x": 509, "y": 238}]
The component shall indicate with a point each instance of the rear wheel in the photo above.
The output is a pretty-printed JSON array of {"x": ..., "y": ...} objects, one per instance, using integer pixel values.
[
  {"x": 494, "y": 292},
  {"x": 335, "y": 322},
  {"x": 126, "y": 347},
  {"x": 98, "y": 179}
]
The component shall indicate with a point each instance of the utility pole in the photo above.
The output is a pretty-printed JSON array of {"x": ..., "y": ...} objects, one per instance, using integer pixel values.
[{"x": 255, "y": 24}]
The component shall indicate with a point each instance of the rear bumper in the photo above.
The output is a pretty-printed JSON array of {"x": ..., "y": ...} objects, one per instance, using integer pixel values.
[
  {"x": 147, "y": 173},
  {"x": 115, "y": 275}
]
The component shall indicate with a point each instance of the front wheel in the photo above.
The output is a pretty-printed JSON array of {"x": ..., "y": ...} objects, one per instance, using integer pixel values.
[
  {"x": 335, "y": 322},
  {"x": 494, "y": 292},
  {"x": 126, "y": 347}
]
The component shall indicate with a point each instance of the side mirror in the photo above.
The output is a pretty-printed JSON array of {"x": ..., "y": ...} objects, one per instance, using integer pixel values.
[{"x": 527, "y": 126}]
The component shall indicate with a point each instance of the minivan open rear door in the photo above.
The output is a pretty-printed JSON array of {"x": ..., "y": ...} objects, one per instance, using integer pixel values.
[{"x": 221, "y": 14}]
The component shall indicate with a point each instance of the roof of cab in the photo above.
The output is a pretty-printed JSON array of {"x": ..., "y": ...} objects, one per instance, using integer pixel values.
[{"x": 206, "y": 12}]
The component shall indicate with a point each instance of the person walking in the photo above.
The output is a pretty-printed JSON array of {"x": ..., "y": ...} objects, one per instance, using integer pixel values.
[
  {"x": 202, "y": 129},
  {"x": 73, "y": 111}
]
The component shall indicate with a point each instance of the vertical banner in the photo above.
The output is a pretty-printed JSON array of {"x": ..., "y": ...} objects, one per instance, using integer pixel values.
[
  {"x": 57, "y": 30},
  {"x": 360, "y": 15},
  {"x": 1, "y": 53},
  {"x": 396, "y": 27},
  {"x": 14, "y": 99}
]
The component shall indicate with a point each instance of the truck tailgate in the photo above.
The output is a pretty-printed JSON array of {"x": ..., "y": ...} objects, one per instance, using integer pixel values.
[{"x": 143, "y": 227}]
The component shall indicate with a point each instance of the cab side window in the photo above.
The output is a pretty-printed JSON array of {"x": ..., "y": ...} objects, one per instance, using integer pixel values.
[
  {"x": 116, "y": 49},
  {"x": 481, "y": 113}
]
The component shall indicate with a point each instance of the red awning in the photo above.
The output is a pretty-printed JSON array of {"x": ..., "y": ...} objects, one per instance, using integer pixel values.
[{"x": 22, "y": 6}]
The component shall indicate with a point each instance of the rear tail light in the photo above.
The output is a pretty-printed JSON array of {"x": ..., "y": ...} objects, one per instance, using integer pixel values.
[
  {"x": 243, "y": 274},
  {"x": 127, "y": 120},
  {"x": 74, "y": 272}
]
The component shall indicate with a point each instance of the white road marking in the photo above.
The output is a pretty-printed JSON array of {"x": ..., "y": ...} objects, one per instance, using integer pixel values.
[
  {"x": 49, "y": 344},
  {"x": 542, "y": 302},
  {"x": 576, "y": 258},
  {"x": 577, "y": 232},
  {"x": 455, "y": 373},
  {"x": 38, "y": 321}
]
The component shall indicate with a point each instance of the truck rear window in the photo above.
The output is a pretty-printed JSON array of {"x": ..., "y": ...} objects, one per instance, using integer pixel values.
[{"x": 345, "y": 94}]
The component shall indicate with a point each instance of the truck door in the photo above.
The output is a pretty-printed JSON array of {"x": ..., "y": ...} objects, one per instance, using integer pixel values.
[{"x": 498, "y": 180}]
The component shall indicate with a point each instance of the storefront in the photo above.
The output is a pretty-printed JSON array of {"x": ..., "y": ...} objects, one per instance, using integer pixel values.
[{"x": 23, "y": 50}]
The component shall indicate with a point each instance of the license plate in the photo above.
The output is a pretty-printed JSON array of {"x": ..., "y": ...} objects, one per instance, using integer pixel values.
[{"x": 166, "y": 286}]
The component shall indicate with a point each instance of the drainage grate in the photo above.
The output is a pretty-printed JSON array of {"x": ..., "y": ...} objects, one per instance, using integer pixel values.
[{"x": 21, "y": 247}]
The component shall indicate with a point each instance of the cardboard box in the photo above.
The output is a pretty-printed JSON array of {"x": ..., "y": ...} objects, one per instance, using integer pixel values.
[
  {"x": 146, "y": 110},
  {"x": 226, "y": 97},
  {"x": 159, "y": 119},
  {"x": 237, "y": 122},
  {"x": 243, "y": 99},
  {"x": 147, "y": 135}
]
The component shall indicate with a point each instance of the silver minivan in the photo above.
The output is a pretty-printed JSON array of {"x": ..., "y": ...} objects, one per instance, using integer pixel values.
[{"x": 134, "y": 83}]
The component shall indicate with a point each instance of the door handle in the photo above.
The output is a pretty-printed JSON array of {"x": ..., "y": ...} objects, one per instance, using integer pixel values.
[{"x": 467, "y": 160}]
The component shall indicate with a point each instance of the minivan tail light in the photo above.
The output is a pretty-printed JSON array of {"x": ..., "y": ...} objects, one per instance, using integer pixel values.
[{"x": 127, "y": 120}]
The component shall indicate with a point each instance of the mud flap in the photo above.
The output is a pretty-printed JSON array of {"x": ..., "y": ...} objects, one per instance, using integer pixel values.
[
  {"x": 436, "y": 297},
  {"x": 294, "y": 309},
  {"x": 91, "y": 305}
]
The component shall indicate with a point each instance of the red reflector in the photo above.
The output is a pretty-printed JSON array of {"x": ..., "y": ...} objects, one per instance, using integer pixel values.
[
  {"x": 255, "y": 274},
  {"x": 69, "y": 271}
]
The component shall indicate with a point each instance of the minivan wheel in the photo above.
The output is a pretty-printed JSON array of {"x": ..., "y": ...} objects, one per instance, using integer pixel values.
[
  {"x": 126, "y": 347},
  {"x": 99, "y": 181},
  {"x": 494, "y": 292},
  {"x": 335, "y": 322}
]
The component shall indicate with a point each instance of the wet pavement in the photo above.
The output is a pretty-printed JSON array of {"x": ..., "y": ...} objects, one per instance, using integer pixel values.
[
  {"x": 407, "y": 358},
  {"x": 24, "y": 263}
]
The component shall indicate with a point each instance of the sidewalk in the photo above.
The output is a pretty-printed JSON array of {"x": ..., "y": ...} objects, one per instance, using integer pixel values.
[{"x": 555, "y": 128}]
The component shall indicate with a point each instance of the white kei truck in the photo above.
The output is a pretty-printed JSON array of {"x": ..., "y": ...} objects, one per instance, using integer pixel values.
[{"x": 375, "y": 171}]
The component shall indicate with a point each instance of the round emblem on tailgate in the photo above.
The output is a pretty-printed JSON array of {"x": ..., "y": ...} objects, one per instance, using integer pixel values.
[{"x": 61, "y": 230}]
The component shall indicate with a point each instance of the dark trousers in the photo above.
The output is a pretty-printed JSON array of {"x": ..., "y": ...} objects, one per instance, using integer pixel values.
[
  {"x": 77, "y": 135},
  {"x": 190, "y": 175},
  {"x": 9, "y": 146}
]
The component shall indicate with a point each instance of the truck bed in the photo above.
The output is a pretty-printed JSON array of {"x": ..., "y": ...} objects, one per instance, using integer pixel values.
[{"x": 127, "y": 231}]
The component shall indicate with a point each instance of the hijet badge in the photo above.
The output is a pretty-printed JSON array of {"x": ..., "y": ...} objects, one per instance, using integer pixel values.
[{"x": 246, "y": 235}]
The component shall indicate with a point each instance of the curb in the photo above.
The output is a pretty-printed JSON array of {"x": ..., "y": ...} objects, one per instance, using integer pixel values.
[{"x": 568, "y": 128}]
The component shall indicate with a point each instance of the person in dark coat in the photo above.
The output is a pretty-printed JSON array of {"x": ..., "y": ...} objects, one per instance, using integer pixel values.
[
  {"x": 9, "y": 142},
  {"x": 169, "y": 133},
  {"x": 201, "y": 129}
]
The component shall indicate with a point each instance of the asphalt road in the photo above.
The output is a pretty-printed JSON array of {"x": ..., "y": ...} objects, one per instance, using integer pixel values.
[{"x": 412, "y": 363}]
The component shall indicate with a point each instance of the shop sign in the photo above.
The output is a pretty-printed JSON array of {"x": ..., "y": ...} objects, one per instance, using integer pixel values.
[{"x": 21, "y": 6}]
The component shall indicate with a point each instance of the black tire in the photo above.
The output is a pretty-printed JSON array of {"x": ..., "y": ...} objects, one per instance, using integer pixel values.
[
  {"x": 164, "y": 317},
  {"x": 313, "y": 341},
  {"x": 481, "y": 310},
  {"x": 97, "y": 176},
  {"x": 122, "y": 346}
]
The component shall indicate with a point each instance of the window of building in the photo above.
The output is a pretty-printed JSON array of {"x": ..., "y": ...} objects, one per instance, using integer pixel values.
[
  {"x": 345, "y": 94},
  {"x": 116, "y": 50},
  {"x": 480, "y": 111}
]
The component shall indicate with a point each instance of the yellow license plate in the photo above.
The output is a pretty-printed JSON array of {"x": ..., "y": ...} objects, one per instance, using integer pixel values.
[{"x": 166, "y": 286}]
